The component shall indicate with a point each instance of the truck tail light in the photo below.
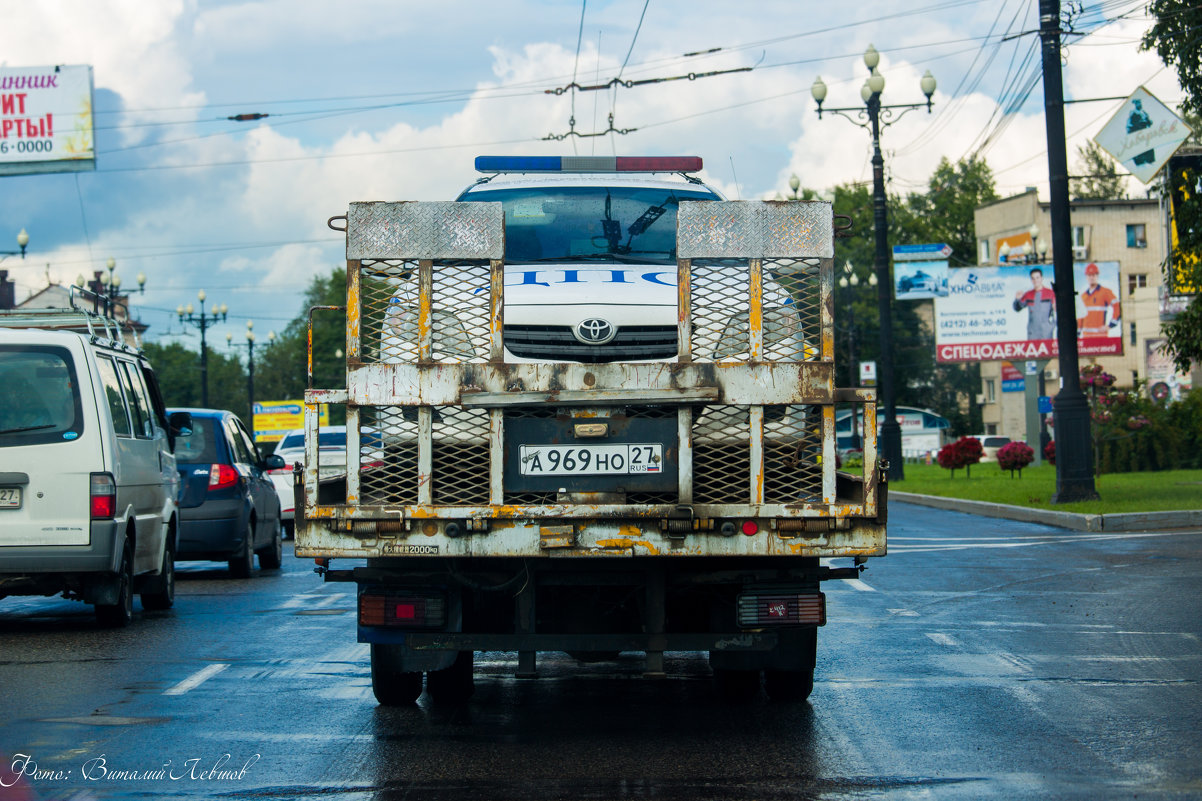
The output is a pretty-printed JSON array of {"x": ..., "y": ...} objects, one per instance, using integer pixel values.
[
  {"x": 103, "y": 496},
  {"x": 401, "y": 608},
  {"x": 763, "y": 608},
  {"x": 222, "y": 476},
  {"x": 750, "y": 528}
]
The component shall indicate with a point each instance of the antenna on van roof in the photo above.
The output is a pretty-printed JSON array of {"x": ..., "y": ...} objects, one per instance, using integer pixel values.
[{"x": 735, "y": 175}]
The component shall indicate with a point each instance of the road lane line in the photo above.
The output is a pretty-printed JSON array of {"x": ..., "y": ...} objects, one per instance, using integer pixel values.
[
  {"x": 196, "y": 679},
  {"x": 859, "y": 585},
  {"x": 902, "y": 612},
  {"x": 943, "y": 639}
]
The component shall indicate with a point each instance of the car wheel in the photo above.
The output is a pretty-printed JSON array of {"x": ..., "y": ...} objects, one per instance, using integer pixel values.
[
  {"x": 119, "y": 615},
  {"x": 391, "y": 686},
  {"x": 162, "y": 596},
  {"x": 272, "y": 556},
  {"x": 242, "y": 564},
  {"x": 454, "y": 684}
]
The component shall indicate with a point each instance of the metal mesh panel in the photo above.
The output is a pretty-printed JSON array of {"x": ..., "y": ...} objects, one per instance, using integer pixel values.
[
  {"x": 389, "y": 308},
  {"x": 460, "y": 469},
  {"x": 388, "y": 311},
  {"x": 388, "y": 454},
  {"x": 461, "y": 330},
  {"x": 721, "y": 455},
  {"x": 720, "y": 291},
  {"x": 792, "y": 447},
  {"x": 792, "y": 310}
]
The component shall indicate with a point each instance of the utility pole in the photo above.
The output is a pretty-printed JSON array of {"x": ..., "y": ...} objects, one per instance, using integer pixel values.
[{"x": 1074, "y": 449}]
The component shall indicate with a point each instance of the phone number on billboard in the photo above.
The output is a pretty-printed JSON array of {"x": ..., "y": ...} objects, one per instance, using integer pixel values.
[
  {"x": 28, "y": 146},
  {"x": 975, "y": 322}
]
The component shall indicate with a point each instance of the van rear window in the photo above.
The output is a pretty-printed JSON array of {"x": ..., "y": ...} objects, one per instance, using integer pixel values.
[{"x": 39, "y": 396}]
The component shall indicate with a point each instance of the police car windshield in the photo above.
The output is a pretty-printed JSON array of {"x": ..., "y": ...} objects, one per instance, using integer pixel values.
[{"x": 590, "y": 223}]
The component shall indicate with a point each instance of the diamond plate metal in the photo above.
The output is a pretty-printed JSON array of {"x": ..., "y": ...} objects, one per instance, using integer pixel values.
[
  {"x": 754, "y": 229},
  {"x": 439, "y": 230}
]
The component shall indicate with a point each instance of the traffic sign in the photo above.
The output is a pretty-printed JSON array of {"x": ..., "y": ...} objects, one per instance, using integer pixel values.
[
  {"x": 1045, "y": 404},
  {"x": 929, "y": 252},
  {"x": 868, "y": 374}
]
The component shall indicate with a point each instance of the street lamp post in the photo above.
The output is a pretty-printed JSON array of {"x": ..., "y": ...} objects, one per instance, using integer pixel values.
[
  {"x": 1074, "y": 451},
  {"x": 202, "y": 321},
  {"x": 22, "y": 241},
  {"x": 873, "y": 116},
  {"x": 250, "y": 366}
]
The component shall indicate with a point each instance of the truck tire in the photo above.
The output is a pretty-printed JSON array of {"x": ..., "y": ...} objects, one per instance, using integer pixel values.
[
  {"x": 454, "y": 684},
  {"x": 118, "y": 615},
  {"x": 392, "y": 687},
  {"x": 795, "y": 684},
  {"x": 737, "y": 685}
]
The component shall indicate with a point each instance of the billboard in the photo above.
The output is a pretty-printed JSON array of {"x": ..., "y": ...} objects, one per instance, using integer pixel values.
[
  {"x": 1164, "y": 382},
  {"x": 1185, "y": 219},
  {"x": 919, "y": 280},
  {"x": 274, "y": 419},
  {"x": 46, "y": 120},
  {"x": 1009, "y": 313}
]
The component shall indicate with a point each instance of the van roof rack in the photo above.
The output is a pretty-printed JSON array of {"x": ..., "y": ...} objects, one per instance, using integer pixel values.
[{"x": 100, "y": 328}]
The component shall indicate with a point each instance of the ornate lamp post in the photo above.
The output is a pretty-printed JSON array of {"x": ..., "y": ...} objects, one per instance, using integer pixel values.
[
  {"x": 202, "y": 321},
  {"x": 872, "y": 117},
  {"x": 250, "y": 366},
  {"x": 22, "y": 241}
]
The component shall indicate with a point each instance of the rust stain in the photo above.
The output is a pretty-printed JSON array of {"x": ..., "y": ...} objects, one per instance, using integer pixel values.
[{"x": 622, "y": 543}]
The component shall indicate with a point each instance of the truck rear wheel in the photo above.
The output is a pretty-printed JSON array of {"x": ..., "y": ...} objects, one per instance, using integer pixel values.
[
  {"x": 391, "y": 686},
  {"x": 737, "y": 685},
  {"x": 454, "y": 684},
  {"x": 795, "y": 684}
]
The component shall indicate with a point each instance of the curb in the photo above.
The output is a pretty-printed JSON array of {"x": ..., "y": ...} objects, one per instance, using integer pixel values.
[{"x": 1130, "y": 521}]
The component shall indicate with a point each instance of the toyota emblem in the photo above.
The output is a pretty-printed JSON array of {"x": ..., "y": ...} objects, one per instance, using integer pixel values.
[{"x": 595, "y": 331}]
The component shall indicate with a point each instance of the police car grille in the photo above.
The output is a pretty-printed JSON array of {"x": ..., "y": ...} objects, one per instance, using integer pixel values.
[{"x": 556, "y": 342}]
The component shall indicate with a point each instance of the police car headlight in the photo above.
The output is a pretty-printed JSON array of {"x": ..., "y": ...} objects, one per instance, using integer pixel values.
[
  {"x": 783, "y": 340},
  {"x": 399, "y": 338}
]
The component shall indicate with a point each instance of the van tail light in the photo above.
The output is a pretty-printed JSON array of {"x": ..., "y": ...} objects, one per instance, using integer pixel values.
[
  {"x": 103, "y": 496},
  {"x": 222, "y": 476}
]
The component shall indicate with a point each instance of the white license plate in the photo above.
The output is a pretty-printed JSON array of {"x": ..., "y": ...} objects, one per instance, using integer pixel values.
[
  {"x": 591, "y": 460},
  {"x": 10, "y": 497}
]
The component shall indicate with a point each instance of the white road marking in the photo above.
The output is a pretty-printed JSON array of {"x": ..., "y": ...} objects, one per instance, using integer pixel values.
[
  {"x": 859, "y": 585},
  {"x": 329, "y": 600},
  {"x": 902, "y": 612},
  {"x": 943, "y": 639},
  {"x": 196, "y": 679},
  {"x": 897, "y": 544}
]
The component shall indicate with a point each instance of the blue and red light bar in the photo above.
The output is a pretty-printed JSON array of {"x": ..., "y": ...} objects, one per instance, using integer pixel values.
[{"x": 588, "y": 163}]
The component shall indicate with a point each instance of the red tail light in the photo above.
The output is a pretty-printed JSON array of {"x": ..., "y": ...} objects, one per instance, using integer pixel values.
[
  {"x": 222, "y": 476},
  {"x": 384, "y": 607},
  {"x": 103, "y": 496}
]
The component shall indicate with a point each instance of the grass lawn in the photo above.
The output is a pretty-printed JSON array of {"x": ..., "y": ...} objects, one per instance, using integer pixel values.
[{"x": 1120, "y": 492}]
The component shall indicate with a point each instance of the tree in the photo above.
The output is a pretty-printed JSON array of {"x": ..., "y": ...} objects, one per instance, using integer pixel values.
[
  {"x": 1098, "y": 179},
  {"x": 281, "y": 371},
  {"x": 1174, "y": 37},
  {"x": 178, "y": 371}
]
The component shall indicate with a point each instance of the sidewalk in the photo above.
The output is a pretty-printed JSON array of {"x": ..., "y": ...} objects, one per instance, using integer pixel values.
[{"x": 1135, "y": 521}]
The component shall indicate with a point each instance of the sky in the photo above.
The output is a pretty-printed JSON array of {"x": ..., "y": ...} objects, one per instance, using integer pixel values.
[{"x": 392, "y": 100}]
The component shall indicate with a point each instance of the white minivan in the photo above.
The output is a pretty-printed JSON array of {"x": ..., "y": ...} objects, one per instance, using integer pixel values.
[{"x": 88, "y": 480}]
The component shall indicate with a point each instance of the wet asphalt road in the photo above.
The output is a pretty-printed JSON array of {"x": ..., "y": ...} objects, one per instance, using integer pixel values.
[{"x": 981, "y": 659}]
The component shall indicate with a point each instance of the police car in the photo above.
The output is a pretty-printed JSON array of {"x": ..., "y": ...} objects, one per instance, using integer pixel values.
[{"x": 590, "y": 266}]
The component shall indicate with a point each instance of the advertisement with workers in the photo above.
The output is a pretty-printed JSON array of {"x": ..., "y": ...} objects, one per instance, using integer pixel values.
[
  {"x": 46, "y": 120},
  {"x": 1009, "y": 313}
]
